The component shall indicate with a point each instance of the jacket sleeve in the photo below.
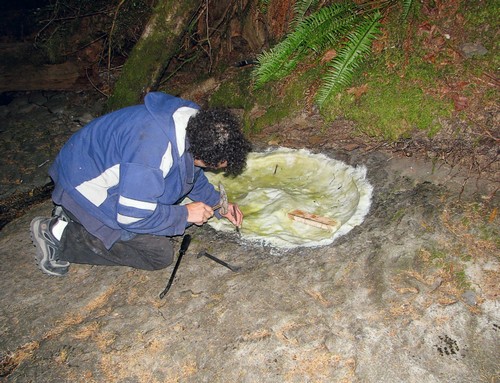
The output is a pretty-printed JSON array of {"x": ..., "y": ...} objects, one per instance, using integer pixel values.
[
  {"x": 203, "y": 190},
  {"x": 138, "y": 209}
]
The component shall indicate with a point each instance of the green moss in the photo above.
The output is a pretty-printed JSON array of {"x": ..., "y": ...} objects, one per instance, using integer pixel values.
[
  {"x": 137, "y": 75},
  {"x": 278, "y": 100},
  {"x": 274, "y": 113},
  {"x": 489, "y": 232},
  {"x": 393, "y": 103},
  {"x": 437, "y": 255},
  {"x": 233, "y": 93},
  {"x": 461, "y": 280},
  {"x": 151, "y": 54},
  {"x": 398, "y": 215},
  {"x": 284, "y": 101},
  {"x": 481, "y": 19},
  {"x": 391, "y": 111}
]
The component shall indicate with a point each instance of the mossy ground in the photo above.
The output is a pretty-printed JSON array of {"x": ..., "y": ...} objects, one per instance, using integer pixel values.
[
  {"x": 473, "y": 233},
  {"x": 416, "y": 79},
  {"x": 388, "y": 107},
  {"x": 270, "y": 104}
]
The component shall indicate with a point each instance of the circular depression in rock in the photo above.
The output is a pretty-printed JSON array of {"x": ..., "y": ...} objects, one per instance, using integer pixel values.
[{"x": 282, "y": 181}]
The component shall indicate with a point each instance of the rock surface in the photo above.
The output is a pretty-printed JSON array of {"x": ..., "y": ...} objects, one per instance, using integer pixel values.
[
  {"x": 34, "y": 127},
  {"x": 411, "y": 295}
]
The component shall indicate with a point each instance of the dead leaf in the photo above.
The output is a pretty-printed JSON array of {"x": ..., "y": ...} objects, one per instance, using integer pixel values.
[
  {"x": 351, "y": 147},
  {"x": 431, "y": 58},
  {"x": 493, "y": 215},
  {"x": 404, "y": 290},
  {"x": 358, "y": 91},
  {"x": 438, "y": 41},
  {"x": 460, "y": 102},
  {"x": 460, "y": 85},
  {"x": 426, "y": 27},
  {"x": 445, "y": 301},
  {"x": 329, "y": 56}
]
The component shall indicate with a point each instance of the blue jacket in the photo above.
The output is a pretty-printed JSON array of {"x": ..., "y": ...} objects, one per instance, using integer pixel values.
[{"x": 126, "y": 172}]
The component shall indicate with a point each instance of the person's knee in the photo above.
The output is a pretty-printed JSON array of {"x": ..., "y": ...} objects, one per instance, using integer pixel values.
[
  {"x": 163, "y": 262},
  {"x": 162, "y": 255}
]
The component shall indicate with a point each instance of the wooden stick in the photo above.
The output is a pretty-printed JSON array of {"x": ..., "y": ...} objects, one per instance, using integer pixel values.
[{"x": 318, "y": 221}]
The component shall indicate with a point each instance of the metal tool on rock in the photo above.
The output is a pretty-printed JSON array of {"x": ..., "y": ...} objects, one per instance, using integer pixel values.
[
  {"x": 237, "y": 227},
  {"x": 184, "y": 246},
  {"x": 234, "y": 269},
  {"x": 223, "y": 203}
]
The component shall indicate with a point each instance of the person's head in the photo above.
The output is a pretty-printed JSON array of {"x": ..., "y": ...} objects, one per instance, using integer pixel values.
[{"x": 215, "y": 137}]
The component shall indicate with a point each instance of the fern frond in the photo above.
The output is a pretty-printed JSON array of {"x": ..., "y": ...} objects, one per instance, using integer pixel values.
[
  {"x": 328, "y": 27},
  {"x": 300, "y": 9},
  {"x": 407, "y": 5},
  {"x": 343, "y": 66},
  {"x": 277, "y": 62},
  {"x": 314, "y": 32}
]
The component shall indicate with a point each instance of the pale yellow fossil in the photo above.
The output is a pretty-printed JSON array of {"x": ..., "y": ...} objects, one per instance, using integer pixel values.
[{"x": 283, "y": 180}]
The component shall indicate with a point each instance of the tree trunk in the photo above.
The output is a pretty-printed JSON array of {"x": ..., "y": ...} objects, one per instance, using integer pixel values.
[
  {"x": 19, "y": 73},
  {"x": 66, "y": 76},
  {"x": 158, "y": 45}
]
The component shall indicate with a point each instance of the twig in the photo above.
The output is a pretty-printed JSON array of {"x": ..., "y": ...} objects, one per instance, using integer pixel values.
[
  {"x": 492, "y": 77},
  {"x": 102, "y": 12},
  {"x": 208, "y": 39},
  {"x": 94, "y": 86},
  {"x": 184, "y": 62},
  {"x": 110, "y": 37},
  {"x": 48, "y": 23},
  {"x": 487, "y": 133},
  {"x": 85, "y": 46}
]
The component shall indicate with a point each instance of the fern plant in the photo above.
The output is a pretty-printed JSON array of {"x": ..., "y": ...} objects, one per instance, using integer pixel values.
[
  {"x": 316, "y": 31},
  {"x": 348, "y": 27},
  {"x": 342, "y": 67},
  {"x": 300, "y": 8},
  {"x": 407, "y": 6}
]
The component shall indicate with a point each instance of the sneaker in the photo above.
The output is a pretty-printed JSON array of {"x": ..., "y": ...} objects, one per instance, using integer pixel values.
[
  {"x": 47, "y": 247},
  {"x": 59, "y": 212}
]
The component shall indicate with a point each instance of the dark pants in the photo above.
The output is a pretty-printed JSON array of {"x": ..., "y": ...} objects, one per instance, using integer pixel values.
[{"x": 147, "y": 252}]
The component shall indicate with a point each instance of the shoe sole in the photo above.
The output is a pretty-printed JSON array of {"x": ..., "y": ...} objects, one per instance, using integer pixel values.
[{"x": 41, "y": 255}]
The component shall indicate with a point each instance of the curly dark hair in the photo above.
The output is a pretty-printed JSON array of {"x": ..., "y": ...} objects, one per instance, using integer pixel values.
[{"x": 215, "y": 136}]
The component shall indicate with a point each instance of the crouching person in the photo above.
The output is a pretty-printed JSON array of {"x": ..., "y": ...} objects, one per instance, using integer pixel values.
[{"x": 120, "y": 181}]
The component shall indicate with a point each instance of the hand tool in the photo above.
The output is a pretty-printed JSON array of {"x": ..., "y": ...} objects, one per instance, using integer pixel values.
[
  {"x": 234, "y": 269},
  {"x": 223, "y": 204},
  {"x": 237, "y": 227},
  {"x": 184, "y": 246}
]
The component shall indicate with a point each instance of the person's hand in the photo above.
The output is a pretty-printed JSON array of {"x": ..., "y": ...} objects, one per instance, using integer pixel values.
[
  {"x": 234, "y": 215},
  {"x": 199, "y": 213}
]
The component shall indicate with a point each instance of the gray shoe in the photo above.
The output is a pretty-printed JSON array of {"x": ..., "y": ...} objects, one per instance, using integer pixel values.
[
  {"x": 47, "y": 247},
  {"x": 59, "y": 212}
]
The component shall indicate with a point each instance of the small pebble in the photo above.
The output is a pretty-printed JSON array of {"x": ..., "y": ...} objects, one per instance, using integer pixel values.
[{"x": 470, "y": 298}]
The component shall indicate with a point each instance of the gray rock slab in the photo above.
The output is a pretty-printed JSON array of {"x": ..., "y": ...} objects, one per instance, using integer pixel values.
[
  {"x": 375, "y": 306},
  {"x": 35, "y": 127},
  {"x": 38, "y": 98},
  {"x": 4, "y": 111},
  {"x": 473, "y": 49}
]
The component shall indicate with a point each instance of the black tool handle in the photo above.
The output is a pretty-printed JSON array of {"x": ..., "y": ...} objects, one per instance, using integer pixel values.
[
  {"x": 184, "y": 246},
  {"x": 219, "y": 261}
]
